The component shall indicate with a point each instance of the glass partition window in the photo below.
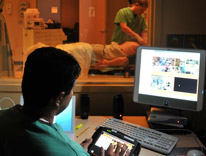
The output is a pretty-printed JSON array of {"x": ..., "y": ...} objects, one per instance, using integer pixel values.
[{"x": 27, "y": 30}]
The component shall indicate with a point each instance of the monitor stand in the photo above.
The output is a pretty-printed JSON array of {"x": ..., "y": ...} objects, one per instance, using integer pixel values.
[{"x": 166, "y": 120}]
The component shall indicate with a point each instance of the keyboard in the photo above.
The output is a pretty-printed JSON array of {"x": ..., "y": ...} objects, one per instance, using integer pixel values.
[{"x": 148, "y": 138}]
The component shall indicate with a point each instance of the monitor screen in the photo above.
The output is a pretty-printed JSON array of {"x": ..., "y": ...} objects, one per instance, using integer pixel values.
[{"x": 170, "y": 77}]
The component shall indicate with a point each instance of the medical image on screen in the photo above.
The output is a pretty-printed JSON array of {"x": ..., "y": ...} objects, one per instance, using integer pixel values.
[
  {"x": 171, "y": 74},
  {"x": 170, "y": 77},
  {"x": 162, "y": 83},
  {"x": 185, "y": 85},
  {"x": 162, "y": 64},
  {"x": 188, "y": 66},
  {"x": 175, "y": 65},
  {"x": 170, "y": 82}
]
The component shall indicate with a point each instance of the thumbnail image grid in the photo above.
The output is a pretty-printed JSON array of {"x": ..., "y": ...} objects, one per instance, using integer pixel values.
[
  {"x": 175, "y": 65},
  {"x": 166, "y": 70}
]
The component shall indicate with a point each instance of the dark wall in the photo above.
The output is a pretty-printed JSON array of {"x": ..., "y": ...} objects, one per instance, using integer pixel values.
[
  {"x": 101, "y": 103},
  {"x": 179, "y": 17}
]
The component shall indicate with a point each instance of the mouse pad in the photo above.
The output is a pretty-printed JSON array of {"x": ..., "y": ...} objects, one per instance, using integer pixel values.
[{"x": 182, "y": 151}]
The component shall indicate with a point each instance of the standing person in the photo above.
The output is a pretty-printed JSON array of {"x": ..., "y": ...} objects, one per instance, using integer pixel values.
[
  {"x": 130, "y": 24},
  {"x": 47, "y": 86}
]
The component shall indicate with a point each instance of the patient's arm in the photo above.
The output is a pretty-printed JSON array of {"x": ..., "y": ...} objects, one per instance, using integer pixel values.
[{"x": 120, "y": 61}]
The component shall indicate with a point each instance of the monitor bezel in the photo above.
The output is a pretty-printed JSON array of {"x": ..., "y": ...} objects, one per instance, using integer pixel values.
[{"x": 164, "y": 101}]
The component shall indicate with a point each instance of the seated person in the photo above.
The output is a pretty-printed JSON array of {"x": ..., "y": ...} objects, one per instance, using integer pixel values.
[{"x": 47, "y": 86}]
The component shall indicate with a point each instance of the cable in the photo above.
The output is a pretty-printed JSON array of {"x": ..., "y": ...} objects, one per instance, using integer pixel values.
[{"x": 8, "y": 98}]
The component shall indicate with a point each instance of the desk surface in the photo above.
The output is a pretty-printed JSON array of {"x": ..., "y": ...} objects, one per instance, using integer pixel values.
[{"x": 89, "y": 125}]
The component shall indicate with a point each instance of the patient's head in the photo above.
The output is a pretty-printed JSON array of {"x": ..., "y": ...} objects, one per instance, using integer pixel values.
[
  {"x": 129, "y": 47},
  {"x": 48, "y": 71}
]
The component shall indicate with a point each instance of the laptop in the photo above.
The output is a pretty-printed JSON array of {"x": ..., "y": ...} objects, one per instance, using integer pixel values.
[{"x": 65, "y": 119}]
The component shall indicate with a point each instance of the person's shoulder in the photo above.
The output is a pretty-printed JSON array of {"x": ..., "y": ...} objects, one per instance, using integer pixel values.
[
  {"x": 10, "y": 116},
  {"x": 2, "y": 114},
  {"x": 5, "y": 112},
  {"x": 7, "y": 122},
  {"x": 125, "y": 9}
]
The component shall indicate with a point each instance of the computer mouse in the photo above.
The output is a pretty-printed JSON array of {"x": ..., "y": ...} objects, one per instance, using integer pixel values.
[{"x": 195, "y": 152}]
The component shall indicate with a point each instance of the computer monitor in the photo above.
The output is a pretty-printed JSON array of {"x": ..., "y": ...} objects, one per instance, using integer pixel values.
[{"x": 170, "y": 77}]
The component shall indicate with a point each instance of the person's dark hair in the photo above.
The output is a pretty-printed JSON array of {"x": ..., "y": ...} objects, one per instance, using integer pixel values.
[
  {"x": 140, "y": 2},
  {"x": 48, "y": 71}
]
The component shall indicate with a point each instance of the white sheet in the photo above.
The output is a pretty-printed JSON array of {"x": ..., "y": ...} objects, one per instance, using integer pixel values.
[
  {"x": 82, "y": 53},
  {"x": 80, "y": 50}
]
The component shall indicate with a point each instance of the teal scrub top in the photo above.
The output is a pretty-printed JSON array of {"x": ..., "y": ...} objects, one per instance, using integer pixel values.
[
  {"x": 19, "y": 135},
  {"x": 136, "y": 23}
]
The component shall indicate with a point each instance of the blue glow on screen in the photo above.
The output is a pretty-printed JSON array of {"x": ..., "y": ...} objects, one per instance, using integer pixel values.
[{"x": 65, "y": 118}]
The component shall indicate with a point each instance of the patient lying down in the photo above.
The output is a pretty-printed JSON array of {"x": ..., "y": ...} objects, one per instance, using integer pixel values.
[
  {"x": 114, "y": 50},
  {"x": 102, "y": 56},
  {"x": 114, "y": 54},
  {"x": 98, "y": 55},
  {"x": 126, "y": 54}
]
